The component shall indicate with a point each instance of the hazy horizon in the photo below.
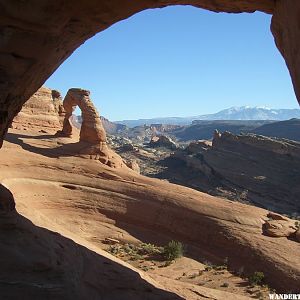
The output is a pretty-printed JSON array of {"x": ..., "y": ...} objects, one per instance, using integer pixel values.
[{"x": 196, "y": 115}]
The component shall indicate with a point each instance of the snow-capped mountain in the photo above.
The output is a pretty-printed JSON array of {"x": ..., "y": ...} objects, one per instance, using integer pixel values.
[
  {"x": 233, "y": 113},
  {"x": 252, "y": 113}
]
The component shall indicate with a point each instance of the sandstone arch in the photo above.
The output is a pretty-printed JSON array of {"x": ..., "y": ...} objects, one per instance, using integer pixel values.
[
  {"x": 92, "y": 132},
  {"x": 37, "y": 36}
]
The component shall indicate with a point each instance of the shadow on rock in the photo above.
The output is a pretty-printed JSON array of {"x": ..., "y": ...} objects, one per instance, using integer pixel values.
[{"x": 40, "y": 264}]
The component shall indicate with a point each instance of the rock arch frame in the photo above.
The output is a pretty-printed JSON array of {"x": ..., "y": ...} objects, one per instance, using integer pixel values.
[{"x": 37, "y": 36}]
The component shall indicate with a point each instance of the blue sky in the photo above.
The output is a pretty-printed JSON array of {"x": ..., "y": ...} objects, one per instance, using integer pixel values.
[{"x": 179, "y": 61}]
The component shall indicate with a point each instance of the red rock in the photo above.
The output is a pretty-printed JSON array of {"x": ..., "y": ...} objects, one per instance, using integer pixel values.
[
  {"x": 279, "y": 228},
  {"x": 134, "y": 166},
  {"x": 41, "y": 112}
]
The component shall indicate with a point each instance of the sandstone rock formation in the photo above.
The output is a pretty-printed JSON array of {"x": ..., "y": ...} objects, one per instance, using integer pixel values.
[
  {"x": 134, "y": 166},
  {"x": 91, "y": 129},
  {"x": 43, "y": 111},
  {"x": 86, "y": 201},
  {"x": 162, "y": 141},
  {"x": 248, "y": 168},
  {"x": 279, "y": 226},
  {"x": 109, "y": 127},
  {"x": 29, "y": 55},
  {"x": 37, "y": 36},
  {"x": 92, "y": 132},
  {"x": 46, "y": 112}
]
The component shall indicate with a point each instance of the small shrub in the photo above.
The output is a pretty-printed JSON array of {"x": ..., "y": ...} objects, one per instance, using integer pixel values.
[
  {"x": 145, "y": 268},
  {"x": 173, "y": 250},
  {"x": 149, "y": 249},
  {"x": 256, "y": 278},
  {"x": 208, "y": 268},
  {"x": 114, "y": 250},
  {"x": 220, "y": 268}
]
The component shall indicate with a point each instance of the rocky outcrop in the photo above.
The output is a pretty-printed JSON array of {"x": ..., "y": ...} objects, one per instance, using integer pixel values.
[
  {"x": 43, "y": 111},
  {"x": 279, "y": 226},
  {"x": 38, "y": 37},
  {"x": 162, "y": 141},
  {"x": 247, "y": 168},
  {"x": 276, "y": 146},
  {"x": 134, "y": 166}
]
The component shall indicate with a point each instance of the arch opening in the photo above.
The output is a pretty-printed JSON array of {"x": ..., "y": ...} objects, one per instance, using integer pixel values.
[{"x": 134, "y": 62}]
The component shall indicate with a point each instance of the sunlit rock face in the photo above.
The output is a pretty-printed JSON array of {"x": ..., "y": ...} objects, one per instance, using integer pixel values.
[
  {"x": 92, "y": 131},
  {"x": 37, "y": 36},
  {"x": 42, "y": 112}
]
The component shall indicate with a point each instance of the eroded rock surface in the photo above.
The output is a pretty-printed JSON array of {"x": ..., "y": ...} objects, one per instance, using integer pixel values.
[
  {"x": 92, "y": 132},
  {"x": 162, "y": 141},
  {"x": 279, "y": 228},
  {"x": 247, "y": 168},
  {"x": 93, "y": 201},
  {"x": 43, "y": 111}
]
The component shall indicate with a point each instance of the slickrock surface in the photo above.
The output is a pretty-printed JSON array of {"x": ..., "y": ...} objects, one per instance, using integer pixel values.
[{"x": 87, "y": 201}]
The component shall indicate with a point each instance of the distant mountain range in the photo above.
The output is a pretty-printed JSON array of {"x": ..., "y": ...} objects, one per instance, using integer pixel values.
[{"x": 233, "y": 113}]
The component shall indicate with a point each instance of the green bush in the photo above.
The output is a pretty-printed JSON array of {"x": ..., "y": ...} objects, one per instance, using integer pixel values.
[
  {"x": 257, "y": 278},
  {"x": 149, "y": 249},
  {"x": 173, "y": 250}
]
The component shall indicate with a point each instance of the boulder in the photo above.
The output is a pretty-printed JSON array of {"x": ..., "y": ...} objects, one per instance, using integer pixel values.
[
  {"x": 163, "y": 141},
  {"x": 279, "y": 228},
  {"x": 134, "y": 166}
]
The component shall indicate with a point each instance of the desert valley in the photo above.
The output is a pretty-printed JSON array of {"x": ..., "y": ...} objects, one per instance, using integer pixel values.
[{"x": 204, "y": 207}]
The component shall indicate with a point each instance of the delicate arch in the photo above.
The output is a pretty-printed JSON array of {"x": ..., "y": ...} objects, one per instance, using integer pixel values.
[{"x": 91, "y": 130}]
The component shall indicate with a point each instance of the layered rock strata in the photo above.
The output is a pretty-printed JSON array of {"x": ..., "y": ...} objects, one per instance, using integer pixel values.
[
  {"x": 43, "y": 111},
  {"x": 247, "y": 168}
]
